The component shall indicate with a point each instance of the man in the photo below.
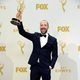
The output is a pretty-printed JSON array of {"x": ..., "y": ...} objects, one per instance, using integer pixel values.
[{"x": 45, "y": 52}]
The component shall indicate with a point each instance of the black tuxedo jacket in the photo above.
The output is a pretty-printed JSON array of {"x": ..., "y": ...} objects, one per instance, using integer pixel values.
[{"x": 47, "y": 54}]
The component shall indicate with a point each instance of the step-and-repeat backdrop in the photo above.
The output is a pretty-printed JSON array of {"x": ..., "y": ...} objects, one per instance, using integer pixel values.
[{"x": 64, "y": 20}]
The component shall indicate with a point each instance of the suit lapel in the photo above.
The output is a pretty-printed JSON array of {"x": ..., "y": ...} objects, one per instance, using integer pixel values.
[{"x": 47, "y": 41}]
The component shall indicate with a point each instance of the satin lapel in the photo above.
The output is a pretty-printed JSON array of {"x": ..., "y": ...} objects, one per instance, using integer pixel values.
[{"x": 48, "y": 40}]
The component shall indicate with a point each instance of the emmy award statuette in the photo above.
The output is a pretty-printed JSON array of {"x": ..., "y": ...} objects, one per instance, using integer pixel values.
[
  {"x": 63, "y": 3},
  {"x": 20, "y": 8}
]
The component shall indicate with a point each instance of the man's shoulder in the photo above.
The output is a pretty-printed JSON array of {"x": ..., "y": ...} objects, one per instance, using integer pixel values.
[
  {"x": 37, "y": 33},
  {"x": 53, "y": 38}
]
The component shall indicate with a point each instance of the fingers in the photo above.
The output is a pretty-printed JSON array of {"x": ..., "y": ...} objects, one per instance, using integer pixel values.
[{"x": 19, "y": 15}]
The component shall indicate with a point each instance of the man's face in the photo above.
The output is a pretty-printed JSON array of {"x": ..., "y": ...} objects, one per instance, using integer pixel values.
[{"x": 44, "y": 26}]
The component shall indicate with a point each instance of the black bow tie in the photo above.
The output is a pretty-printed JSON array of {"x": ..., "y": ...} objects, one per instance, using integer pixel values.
[{"x": 42, "y": 35}]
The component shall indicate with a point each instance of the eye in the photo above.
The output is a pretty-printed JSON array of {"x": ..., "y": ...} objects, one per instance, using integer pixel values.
[
  {"x": 45, "y": 25},
  {"x": 41, "y": 25}
]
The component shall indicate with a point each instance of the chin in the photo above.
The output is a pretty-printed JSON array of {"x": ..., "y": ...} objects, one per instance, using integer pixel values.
[{"x": 43, "y": 32}]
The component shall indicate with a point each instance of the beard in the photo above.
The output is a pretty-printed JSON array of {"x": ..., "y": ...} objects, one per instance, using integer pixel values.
[{"x": 43, "y": 30}]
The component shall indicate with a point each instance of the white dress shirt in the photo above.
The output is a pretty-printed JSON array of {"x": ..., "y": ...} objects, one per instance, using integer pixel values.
[{"x": 43, "y": 40}]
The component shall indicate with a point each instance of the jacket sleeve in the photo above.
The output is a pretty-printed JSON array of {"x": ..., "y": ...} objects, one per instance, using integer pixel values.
[
  {"x": 24, "y": 33},
  {"x": 54, "y": 54}
]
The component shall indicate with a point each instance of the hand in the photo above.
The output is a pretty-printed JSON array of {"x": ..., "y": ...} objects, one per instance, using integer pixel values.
[
  {"x": 19, "y": 15},
  {"x": 50, "y": 67}
]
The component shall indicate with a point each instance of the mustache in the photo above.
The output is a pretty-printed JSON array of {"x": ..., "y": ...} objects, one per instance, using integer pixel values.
[{"x": 43, "y": 28}]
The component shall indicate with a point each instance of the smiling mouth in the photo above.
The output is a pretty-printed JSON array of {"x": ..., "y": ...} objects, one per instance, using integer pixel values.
[{"x": 43, "y": 28}]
